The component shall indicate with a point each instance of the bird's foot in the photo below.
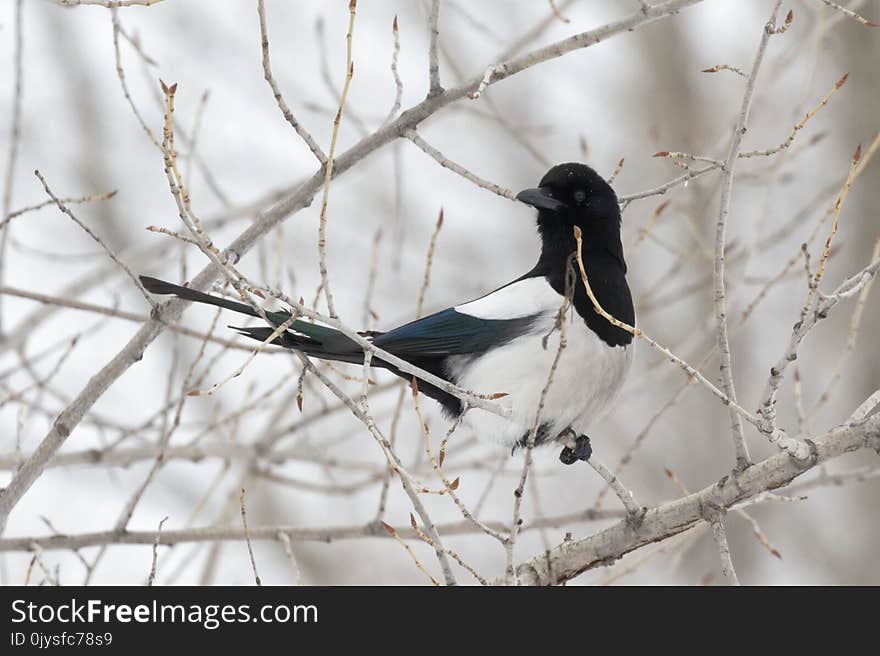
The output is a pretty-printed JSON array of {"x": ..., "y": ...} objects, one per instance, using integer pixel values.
[{"x": 580, "y": 449}]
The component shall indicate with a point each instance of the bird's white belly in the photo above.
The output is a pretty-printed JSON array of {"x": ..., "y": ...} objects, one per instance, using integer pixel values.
[{"x": 584, "y": 386}]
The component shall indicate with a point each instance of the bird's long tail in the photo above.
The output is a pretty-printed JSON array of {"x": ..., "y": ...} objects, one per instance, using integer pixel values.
[
  {"x": 156, "y": 286},
  {"x": 309, "y": 338},
  {"x": 312, "y": 339}
]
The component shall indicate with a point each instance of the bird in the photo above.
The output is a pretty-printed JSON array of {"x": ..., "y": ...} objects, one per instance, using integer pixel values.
[{"x": 504, "y": 342}]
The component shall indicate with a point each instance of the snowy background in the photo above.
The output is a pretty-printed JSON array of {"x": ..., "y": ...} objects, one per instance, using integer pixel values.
[{"x": 628, "y": 97}]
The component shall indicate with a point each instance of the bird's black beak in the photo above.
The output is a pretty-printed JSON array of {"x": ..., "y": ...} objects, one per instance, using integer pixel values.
[{"x": 540, "y": 198}]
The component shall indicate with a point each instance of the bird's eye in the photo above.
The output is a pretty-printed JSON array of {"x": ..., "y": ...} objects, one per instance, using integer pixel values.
[{"x": 580, "y": 196}]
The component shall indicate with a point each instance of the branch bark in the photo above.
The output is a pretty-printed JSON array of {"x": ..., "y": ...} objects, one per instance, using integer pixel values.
[
  {"x": 743, "y": 459},
  {"x": 572, "y": 558}
]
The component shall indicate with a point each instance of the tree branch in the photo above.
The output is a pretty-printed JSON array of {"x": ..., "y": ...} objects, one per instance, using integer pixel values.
[
  {"x": 572, "y": 558},
  {"x": 743, "y": 459}
]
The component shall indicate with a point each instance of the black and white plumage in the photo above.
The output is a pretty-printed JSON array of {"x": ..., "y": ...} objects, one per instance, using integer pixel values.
[{"x": 505, "y": 341}]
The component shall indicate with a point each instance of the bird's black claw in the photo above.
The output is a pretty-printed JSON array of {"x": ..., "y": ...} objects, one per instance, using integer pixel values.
[
  {"x": 567, "y": 457},
  {"x": 582, "y": 450}
]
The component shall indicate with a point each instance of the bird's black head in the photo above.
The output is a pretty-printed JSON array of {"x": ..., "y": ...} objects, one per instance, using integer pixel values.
[
  {"x": 572, "y": 194},
  {"x": 575, "y": 195}
]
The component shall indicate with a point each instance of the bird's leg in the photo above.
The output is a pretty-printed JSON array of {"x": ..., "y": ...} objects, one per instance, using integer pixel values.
[{"x": 577, "y": 447}]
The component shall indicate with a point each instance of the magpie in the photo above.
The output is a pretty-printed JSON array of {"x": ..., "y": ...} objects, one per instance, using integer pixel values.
[{"x": 505, "y": 341}]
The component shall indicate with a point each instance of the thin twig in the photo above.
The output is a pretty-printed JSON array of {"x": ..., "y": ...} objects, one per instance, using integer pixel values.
[
  {"x": 362, "y": 412},
  {"x": 637, "y": 332},
  {"x": 398, "y": 83},
  {"x": 849, "y": 13},
  {"x": 66, "y": 210},
  {"x": 288, "y": 549},
  {"x": 14, "y": 143},
  {"x": 109, "y": 4},
  {"x": 720, "y": 537},
  {"x": 194, "y": 136},
  {"x": 560, "y": 325},
  {"x": 633, "y": 508},
  {"x": 743, "y": 460},
  {"x": 67, "y": 201},
  {"x": 393, "y": 533},
  {"x": 799, "y": 125},
  {"x": 450, "y": 487},
  {"x": 247, "y": 539},
  {"x": 852, "y": 335},
  {"x": 424, "y": 538},
  {"x": 434, "y": 87},
  {"x": 121, "y": 314},
  {"x": 152, "y": 576},
  {"x": 808, "y": 318},
  {"x": 558, "y": 13},
  {"x": 282, "y": 104},
  {"x": 447, "y": 163},
  {"x": 328, "y": 168},
  {"x": 120, "y": 74},
  {"x": 370, "y": 317},
  {"x": 429, "y": 260}
]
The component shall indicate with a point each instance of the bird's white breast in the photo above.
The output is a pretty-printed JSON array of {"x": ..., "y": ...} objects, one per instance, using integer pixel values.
[{"x": 586, "y": 381}]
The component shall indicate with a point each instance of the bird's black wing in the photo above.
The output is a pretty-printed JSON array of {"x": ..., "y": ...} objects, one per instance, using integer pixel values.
[
  {"x": 431, "y": 342},
  {"x": 451, "y": 332}
]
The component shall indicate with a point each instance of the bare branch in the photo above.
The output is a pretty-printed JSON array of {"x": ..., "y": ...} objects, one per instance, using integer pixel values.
[
  {"x": 247, "y": 538},
  {"x": 109, "y": 4},
  {"x": 688, "y": 369},
  {"x": 849, "y": 13},
  {"x": 434, "y": 87},
  {"x": 429, "y": 261},
  {"x": 393, "y": 533},
  {"x": 288, "y": 549},
  {"x": 720, "y": 537},
  {"x": 445, "y": 162},
  {"x": 370, "y": 530},
  {"x": 282, "y": 104},
  {"x": 152, "y": 576},
  {"x": 743, "y": 459},
  {"x": 328, "y": 168},
  {"x": 14, "y": 143},
  {"x": 811, "y": 314},
  {"x": 66, "y": 210},
  {"x": 633, "y": 509},
  {"x": 572, "y": 558},
  {"x": 398, "y": 83},
  {"x": 800, "y": 124},
  {"x": 67, "y": 201}
]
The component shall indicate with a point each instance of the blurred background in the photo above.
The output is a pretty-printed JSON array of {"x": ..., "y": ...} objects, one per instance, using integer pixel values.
[{"x": 624, "y": 99}]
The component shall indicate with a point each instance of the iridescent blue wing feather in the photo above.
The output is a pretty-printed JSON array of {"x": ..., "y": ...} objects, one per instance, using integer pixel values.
[{"x": 452, "y": 333}]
